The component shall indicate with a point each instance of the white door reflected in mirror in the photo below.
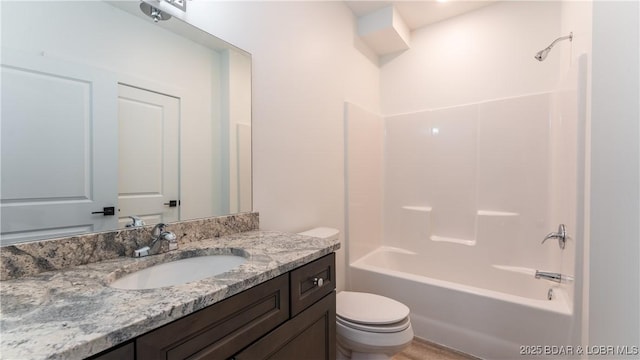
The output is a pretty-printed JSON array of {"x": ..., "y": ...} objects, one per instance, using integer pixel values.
[
  {"x": 58, "y": 147},
  {"x": 148, "y": 148}
]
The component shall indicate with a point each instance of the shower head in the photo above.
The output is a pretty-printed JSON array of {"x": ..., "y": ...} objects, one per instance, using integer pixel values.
[
  {"x": 153, "y": 12},
  {"x": 542, "y": 54}
]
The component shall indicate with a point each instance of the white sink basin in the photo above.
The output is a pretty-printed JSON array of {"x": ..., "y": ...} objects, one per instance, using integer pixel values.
[{"x": 178, "y": 272}]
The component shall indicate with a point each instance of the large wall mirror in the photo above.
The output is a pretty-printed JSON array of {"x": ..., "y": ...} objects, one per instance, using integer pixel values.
[{"x": 107, "y": 114}]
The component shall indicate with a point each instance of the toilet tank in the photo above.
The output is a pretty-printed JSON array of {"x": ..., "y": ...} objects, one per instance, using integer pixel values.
[{"x": 323, "y": 233}]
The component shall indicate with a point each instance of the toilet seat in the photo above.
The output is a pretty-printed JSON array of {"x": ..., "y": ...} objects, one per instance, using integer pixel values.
[
  {"x": 370, "y": 309},
  {"x": 380, "y": 328}
]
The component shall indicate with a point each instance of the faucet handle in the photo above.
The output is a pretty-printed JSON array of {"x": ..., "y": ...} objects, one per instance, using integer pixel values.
[
  {"x": 158, "y": 229},
  {"x": 135, "y": 222},
  {"x": 168, "y": 235},
  {"x": 171, "y": 238},
  {"x": 561, "y": 235}
]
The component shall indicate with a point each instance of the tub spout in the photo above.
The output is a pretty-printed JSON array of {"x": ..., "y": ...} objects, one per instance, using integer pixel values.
[{"x": 555, "y": 277}]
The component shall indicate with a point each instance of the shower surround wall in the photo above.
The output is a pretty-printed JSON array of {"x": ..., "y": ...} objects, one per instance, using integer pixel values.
[{"x": 472, "y": 182}]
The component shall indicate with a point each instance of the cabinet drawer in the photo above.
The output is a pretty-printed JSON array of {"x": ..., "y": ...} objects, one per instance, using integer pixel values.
[
  {"x": 217, "y": 331},
  {"x": 305, "y": 290}
]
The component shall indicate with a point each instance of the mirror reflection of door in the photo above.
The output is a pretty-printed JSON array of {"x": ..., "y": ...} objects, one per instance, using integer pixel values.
[
  {"x": 148, "y": 148},
  {"x": 57, "y": 148}
]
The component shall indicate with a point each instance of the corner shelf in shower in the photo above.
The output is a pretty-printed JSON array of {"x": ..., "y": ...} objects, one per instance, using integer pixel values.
[
  {"x": 453, "y": 240},
  {"x": 418, "y": 208},
  {"x": 496, "y": 213}
]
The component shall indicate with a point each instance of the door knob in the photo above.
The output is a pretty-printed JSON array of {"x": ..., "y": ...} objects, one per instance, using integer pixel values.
[
  {"x": 172, "y": 203},
  {"x": 106, "y": 211}
]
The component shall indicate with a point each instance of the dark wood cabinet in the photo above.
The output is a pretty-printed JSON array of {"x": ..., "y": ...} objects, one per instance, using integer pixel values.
[
  {"x": 218, "y": 331},
  {"x": 120, "y": 352},
  {"x": 310, "y": 336},
  {"x": 312, "y": 282},
  {"x": 289, "y": 317}
]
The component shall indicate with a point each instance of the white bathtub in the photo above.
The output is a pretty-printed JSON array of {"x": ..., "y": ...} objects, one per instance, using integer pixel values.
[{"x": 493, "y": 312}]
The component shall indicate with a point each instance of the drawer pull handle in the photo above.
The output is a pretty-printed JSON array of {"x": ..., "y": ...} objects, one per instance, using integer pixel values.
[{"x": 318, "y": 281}]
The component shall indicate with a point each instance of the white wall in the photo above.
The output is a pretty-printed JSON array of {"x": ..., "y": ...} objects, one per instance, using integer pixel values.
[
  {"x": 305, "y": 65},
  {"x": 482, "y": 172},
  {"x": 614, "y": 286},
  {"x": 482, "y": 55}
]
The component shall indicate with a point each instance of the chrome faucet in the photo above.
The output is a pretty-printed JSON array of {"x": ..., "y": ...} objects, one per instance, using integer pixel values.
[
  {"x": 135, "y": 222},
  {"x": 561, "y": 235},
  {"x": 555, "y": 277},
  {"x": 158, "y": 235}
]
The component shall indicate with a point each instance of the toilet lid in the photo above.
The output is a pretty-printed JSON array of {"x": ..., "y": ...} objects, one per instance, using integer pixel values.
[{"x": 371, "y": 309}]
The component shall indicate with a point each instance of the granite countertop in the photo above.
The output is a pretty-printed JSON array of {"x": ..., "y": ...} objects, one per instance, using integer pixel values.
[{"x": 73, "y": 313}]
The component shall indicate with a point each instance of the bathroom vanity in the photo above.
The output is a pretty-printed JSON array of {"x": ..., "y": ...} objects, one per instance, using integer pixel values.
[
  {"x": 280, "y": 304},
  {"x": 289, "y": 317}
]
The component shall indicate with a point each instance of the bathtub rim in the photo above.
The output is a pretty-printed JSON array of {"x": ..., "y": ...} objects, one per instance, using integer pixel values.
[{"x": 560, "y": 304}]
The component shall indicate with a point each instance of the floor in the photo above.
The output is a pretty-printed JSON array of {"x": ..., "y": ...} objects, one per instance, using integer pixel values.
[{"x": 423, "y": 350}]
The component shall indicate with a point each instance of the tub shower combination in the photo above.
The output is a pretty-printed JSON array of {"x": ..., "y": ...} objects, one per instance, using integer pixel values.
[
  {"x": 467, "y": 230},
  {"x": 490, "y": 313}
]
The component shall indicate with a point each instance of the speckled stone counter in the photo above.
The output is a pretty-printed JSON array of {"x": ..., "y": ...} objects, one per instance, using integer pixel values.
[
  {"x": 34, "y": 257},
  {"x": 73, "y": 313}
]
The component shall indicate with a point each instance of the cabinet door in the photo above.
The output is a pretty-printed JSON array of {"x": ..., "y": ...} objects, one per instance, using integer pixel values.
[
  {"x": 219, "y": 330},
  {"x": 310, "y": 335}
]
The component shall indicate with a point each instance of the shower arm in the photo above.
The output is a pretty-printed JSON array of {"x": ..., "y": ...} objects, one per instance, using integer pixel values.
[{"x": 570, "y": 37}]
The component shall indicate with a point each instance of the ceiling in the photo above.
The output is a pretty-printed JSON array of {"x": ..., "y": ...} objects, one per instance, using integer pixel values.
[{"x": 417, "y": 14}]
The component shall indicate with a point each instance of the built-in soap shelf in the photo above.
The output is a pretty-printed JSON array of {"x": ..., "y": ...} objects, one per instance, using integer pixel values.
[
  {"x": 453, "y": 240},
  {"x": 496, "y": 213},
  {"x": 418, "y": 208},
  {"x": 480, "y": 212}
]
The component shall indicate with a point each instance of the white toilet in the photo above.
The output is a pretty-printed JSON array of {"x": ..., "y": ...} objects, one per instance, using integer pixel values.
[{"x": 368, "y": 326}]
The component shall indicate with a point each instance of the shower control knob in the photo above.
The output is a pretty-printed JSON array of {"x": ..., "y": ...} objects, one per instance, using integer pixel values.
[
  {"x": 561, "y": 235},
  {"x": 318, "y": 281}
]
